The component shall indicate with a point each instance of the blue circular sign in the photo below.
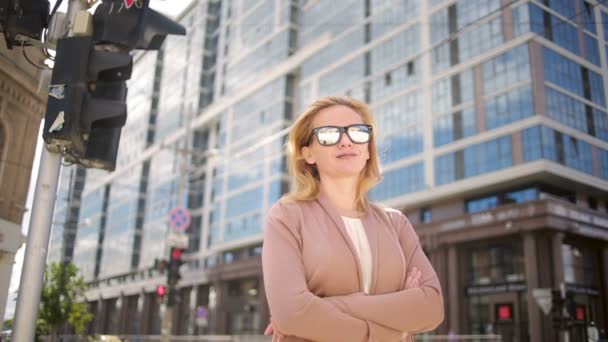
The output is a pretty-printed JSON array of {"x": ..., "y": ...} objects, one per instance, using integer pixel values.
[{"x": 179, "y": 219}]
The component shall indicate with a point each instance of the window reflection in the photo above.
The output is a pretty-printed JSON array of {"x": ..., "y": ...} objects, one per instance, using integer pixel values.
[{"x": 501, "y": 263}]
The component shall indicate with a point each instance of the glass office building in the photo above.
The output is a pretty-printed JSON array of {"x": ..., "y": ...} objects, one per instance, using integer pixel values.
[{"x": 493, "y": 137}]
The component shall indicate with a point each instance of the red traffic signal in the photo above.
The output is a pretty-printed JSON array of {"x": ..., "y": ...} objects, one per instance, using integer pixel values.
[
  {"x": 176, "y": 254},
  {"x": 161, "y": 290}
]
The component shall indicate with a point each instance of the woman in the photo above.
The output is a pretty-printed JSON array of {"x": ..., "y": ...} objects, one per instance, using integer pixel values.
[{"x": 337, "y": 267}]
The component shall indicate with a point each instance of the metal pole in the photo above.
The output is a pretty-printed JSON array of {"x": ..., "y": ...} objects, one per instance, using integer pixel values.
[{"x": 34, "y": 261}]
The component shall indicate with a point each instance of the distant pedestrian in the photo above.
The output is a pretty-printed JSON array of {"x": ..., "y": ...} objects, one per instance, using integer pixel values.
[{"x": 593, "y": 334}]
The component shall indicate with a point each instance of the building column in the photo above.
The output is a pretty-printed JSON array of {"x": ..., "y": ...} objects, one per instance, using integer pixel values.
[
  {"x": 6, "y": 268},
  {"x": 438, "y": 257},
  {"x": 203, "y": 300},
  {"x": 454, "y": 296},
  {"x": 191, "y": 327},
  {"x": 557, "y": 241},
  {"x": 218, "y": 310},
  {"x": 263, "y": 308},
  {"x": 100, "y": 316},
  {"x": 604, "y": 265},
  {"x": 532, "y": 282},
  {"x": 11, "y": 240},
  {"x": 122, "y": 307}
]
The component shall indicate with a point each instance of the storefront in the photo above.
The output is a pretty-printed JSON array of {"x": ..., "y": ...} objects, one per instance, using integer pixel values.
[{"x": 490, "y": 263}]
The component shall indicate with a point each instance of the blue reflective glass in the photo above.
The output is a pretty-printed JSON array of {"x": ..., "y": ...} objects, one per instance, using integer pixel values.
[
  {"x": 532, "y": 146},
  {"x": 506, "y": 69},
  {"x": 399, "y": 182},
  {"x": 603, "y": 158},
  {"x": 244, "y": 202},
  {"x": 509, "y": 107},
  {"x": 566, "y": 109},
  {"x": 487, "y": 157},
  {"x": 592, "y": 50},
  {"x": 604, "y": 23},
  {"x": 558, "y": 147},
  {"x": 445, "y": 169},
  {"x": 562, "y": 72}
]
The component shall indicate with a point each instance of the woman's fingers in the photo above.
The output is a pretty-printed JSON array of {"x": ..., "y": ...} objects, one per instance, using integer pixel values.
[{"x": 269, "y": 329}]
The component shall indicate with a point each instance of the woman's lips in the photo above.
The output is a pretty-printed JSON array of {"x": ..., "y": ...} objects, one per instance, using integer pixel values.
[{"x": 346, "y": 155}]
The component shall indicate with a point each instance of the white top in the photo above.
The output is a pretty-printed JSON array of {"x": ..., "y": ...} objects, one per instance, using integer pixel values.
[{"x": 355, "y": 230}]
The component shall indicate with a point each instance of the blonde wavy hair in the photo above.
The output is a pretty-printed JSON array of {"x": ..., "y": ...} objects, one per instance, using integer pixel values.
[{"x": 306, "y": 182}]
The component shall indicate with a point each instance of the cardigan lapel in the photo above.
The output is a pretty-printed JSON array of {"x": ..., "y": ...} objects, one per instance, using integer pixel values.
[
  {"x": 372, "y": 236},
  {"x": 334, "y": 215}
]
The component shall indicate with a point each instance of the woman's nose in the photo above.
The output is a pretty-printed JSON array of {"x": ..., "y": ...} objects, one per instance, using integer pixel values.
[{"x": 345, "y": 140}]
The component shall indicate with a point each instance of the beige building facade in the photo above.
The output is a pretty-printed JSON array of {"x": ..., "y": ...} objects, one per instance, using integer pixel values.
[{"x": 21, "y": 109}]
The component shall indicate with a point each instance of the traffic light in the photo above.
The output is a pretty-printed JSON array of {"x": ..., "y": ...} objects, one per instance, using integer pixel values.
[
  {"x": 160, "y": 265},
  {"x": 175, "y": 262},
  {"x": 557, "y": 308},
  {"x": 87, "y": 97},
  {"x": 23, "y": 18},
  {"x": 161, "y": 291},
  {"x": 134, "y": 28}
]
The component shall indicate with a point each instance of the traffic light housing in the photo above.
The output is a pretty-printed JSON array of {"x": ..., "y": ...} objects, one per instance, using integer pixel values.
[
  {"x": 23, "y": 18},
  {"x": 135, "y": 28},
  {"x": 175, "y": 262},
  {"x": 87, "y": 106},
  {"x": 86, "y": 100}
]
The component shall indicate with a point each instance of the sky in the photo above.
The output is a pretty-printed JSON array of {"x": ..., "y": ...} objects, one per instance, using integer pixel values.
[{"x": 170, "y": 8}]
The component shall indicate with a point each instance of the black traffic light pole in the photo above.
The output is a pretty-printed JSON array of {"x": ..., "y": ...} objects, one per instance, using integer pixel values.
[
  {"x": 85, "y": 113},
  {"x": 34, "y": 262}
]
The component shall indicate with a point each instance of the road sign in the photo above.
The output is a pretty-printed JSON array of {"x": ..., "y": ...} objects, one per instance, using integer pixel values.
[
  {"x": 201, "y": 312},
  {"x": 179, "y": 219},
  {"x": 201, "y": 316},
  {"x": 543, "y": 298},
  {"x": 177, "y": 240}
]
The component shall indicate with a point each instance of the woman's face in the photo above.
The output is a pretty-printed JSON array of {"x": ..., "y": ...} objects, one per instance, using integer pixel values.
[{"x": 344, "y": 159}]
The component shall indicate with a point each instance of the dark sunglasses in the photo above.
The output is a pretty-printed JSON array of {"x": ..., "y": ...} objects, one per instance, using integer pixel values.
[{"x": 331, "y": 135}]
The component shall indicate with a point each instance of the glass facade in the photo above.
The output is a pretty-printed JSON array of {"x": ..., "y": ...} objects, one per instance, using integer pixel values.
[{"x": 459, "y": 95}]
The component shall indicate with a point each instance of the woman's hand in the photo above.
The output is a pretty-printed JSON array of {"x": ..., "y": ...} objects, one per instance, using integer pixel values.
[
  {"x": 271, "y": 329},
  {"x": 413, "y": 278}
]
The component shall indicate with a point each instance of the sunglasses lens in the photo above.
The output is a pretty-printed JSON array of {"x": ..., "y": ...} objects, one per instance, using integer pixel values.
[
  {"x": 359, "y": 134},
  {"x": 328, "y": 135}
]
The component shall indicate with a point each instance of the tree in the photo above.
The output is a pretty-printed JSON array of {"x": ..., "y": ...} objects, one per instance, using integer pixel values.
[
  {"x": 8, "y": 324},
  {"x": 62, "y": 290}
]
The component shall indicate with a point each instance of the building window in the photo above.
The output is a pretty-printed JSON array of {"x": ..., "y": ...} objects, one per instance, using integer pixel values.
[
  {"x": 410, "y": 68},
  {"x": 592, "y": 203},
  {"x": 425, "y": 215},
  {"x": 546, "y": 143},
  {"x": 496, "y": 264},
  {"x": 509, "y": 107},
  {"x": 388, "y": 78},
  {"x": 578, "y": 265},
  {"x": 504, "y": 198},
  {"x": 399, "y": 182}
]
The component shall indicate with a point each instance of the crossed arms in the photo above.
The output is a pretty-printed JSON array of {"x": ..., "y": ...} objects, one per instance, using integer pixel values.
[{"x": 357, "y": 317}]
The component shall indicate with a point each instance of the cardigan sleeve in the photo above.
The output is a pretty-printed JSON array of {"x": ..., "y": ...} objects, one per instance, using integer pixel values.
[
  {"x": 293, "y": 308},
  {"x": 410, "y": 310}
]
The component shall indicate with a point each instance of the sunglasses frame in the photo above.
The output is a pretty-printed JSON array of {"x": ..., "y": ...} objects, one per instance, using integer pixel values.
[{"x": 341, "y": 130}]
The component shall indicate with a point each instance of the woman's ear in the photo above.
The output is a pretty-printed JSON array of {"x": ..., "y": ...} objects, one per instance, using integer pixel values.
[{"x": 307, "y": 154}]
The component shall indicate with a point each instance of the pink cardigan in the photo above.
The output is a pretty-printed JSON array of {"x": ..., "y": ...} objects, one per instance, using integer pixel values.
[{"x": 313, "y": 281}]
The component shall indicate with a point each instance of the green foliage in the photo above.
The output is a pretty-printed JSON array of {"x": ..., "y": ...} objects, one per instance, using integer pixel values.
[
  {"x": 8, "y": 324},
  {"x": 62, "y": 299}
]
